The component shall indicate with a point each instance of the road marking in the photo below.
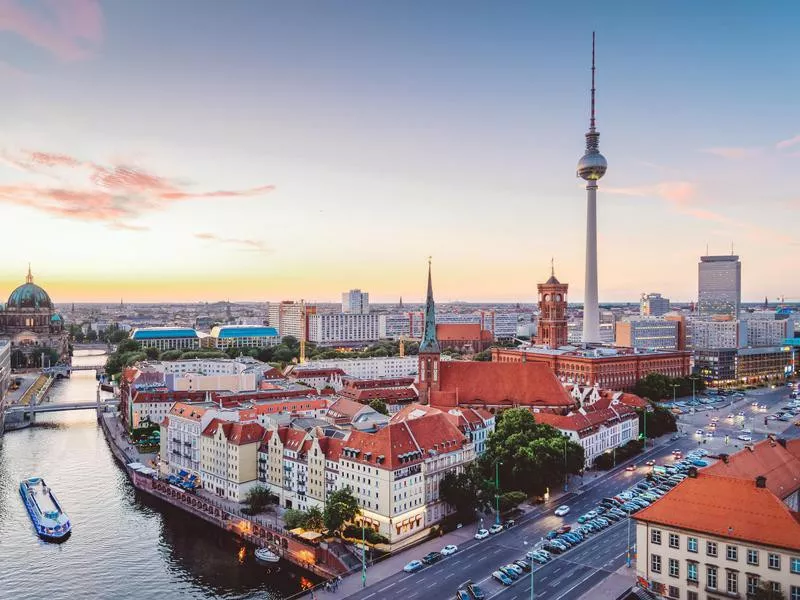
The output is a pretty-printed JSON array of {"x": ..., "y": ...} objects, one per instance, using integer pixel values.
[
  {"x": 387, "y": 587},
  {"x": 576, "y": 585},
  {"x": 556, "y": 570},
  {"x": 455, "y": 562},
  {"x": 369, "y": 596},
  {"x": 406, "y": 577},
  {"x": 449, "y": 575}
]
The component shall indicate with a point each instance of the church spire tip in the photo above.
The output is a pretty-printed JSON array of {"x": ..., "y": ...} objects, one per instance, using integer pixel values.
[{"x": 29, "y": 278}]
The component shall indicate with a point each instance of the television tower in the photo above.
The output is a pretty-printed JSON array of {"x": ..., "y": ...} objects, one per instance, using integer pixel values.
[{"x": 591, "y": 167}]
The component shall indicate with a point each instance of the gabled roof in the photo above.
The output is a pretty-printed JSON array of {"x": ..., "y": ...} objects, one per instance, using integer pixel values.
[
  {"x": 499, "y": 384},
  {"x": 345, "y": 408},
  {"x": 456, "y": 332},
  {"x": 729, "y": 508},
  {"x": 236, "y": 433},
  {"x": 187, "y": 411},
  {"x": 767, "y": 458}
]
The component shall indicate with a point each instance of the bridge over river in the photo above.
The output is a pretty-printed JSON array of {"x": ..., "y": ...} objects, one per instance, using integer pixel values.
[{"x": 61, "y": 406}]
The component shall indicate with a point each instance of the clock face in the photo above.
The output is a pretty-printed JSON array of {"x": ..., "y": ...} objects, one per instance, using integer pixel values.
[
  {"x": 558, "y": 297},
  {"x": 547, "y": 297}
]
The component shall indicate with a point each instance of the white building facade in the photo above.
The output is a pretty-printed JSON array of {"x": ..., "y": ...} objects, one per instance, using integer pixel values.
[
  {"x": 355, "y": 302},
  {"x": 343, "y": 328},
  {"x": 369, "y": 368}
]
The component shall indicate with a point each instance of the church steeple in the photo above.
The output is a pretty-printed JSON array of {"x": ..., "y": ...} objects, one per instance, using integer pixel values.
[
  {"x": 429, "y": 342},
  {"x": 29, "y": 278}
]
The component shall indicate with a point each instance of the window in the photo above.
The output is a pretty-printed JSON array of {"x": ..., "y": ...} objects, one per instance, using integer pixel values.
[
  {"x": 711, "y": 578},
  {"x": 690, "y": 595},
  {"x": 674, "y": 540},
  {"x": 674, "y": 592},
  {"x": 655, "y": 536},
  {"x": 794, "y": 565},
  {"x": 752, "y": 583},
  {"x": 674, "y": 567},
  {"x": 776, "y": 586},
  {"x": 774, "y": 561},
  {"x": 733, "y": 582},
  {"x": 711, "y": 548},
  {"x": 691, "y": 571},
  {"x": 752, "y": 557},
  {"x": 794, "y": 592},
  {"x": 732, "y": 552},
  {"x": 691, "y": 544},
  {"x": 655, "y": 563}
]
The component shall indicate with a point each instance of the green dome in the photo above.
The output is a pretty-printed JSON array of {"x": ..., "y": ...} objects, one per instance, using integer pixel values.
[{"x": 29, "y": 295}]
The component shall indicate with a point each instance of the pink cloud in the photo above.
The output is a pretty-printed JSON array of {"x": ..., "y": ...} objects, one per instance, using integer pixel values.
[
  {"x": 69, "y": 29},
  {"x": 733, "y": 153},
  {"x": 114, "y": 194},
  {"x": 680, "y": 195},
  {"x": 793, "y": 141},
  {"x": 243, "y": 243}
]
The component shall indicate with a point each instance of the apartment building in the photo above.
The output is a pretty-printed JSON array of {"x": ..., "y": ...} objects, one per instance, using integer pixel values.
[
  {"x": 228, "y": 458},
  {"x": 343, "y": 329},
  {"x": 365, "y": 368},
  {"x": 653, "y": 305},
  {"x": 355, "y": 302},
  {"x": 767, "y": 328},
  {"x": 649, "y": 333},
  {"x": 715, "y": 537},
  {"x": 290, "y": 318}
]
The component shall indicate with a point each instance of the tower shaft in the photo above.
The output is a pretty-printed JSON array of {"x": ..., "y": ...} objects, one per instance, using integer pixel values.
[{"x": 591, "y": 307}]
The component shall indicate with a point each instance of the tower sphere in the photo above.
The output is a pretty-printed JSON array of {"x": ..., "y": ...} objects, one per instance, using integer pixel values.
[{"x": 592, "y": 166}]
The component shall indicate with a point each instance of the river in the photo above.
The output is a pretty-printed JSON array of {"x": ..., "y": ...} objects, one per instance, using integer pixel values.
[{"x": 124, "y": 544}]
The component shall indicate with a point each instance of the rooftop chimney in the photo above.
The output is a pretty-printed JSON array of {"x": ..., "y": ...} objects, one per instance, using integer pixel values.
[
  {"x": 692, "y": 472},
  {"x": 724, "y": 458},
  {"x": 761, "y": 481},
  {"x": 782, "y": 441}
]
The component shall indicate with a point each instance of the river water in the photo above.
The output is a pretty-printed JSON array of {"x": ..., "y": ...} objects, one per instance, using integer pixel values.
[{"x": 124, "y": 544}]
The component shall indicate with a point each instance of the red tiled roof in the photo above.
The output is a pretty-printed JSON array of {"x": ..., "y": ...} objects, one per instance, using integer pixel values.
[
  {"x": 729, "y": 508},
  {"x": 365, "y": 396},
  {"x": 187, "y": 411},
  {"x": 404, "y": 443},
  {"x": 345, "y": 408},
  {"x": 331, "y": 447},
  {"x": 323, "y": 372},
  {"x": 236, "y": 433},
  {"x": 457, "y": 332},
  {"x": 768, "y": 458},
  {"x": 499, "y": 384}
]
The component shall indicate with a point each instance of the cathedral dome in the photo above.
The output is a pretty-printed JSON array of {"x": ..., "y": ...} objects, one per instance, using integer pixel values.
[{"x": 29, "y": 295}]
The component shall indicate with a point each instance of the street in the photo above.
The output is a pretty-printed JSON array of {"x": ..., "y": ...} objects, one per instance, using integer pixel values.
[{"x": 571, "y": 574}]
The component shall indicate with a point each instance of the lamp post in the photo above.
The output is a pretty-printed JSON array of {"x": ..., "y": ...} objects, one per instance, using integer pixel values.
[
  {"x": 533, "y": 566},
  {"x": 363, "y": 553},
  {"x": 675, "y": 386},
  {"x": 694, "y": 378},
  {"x": 565, "y": 463},
  {"x": 628, "y": 549},
  {"x": 497, "y": 464}
]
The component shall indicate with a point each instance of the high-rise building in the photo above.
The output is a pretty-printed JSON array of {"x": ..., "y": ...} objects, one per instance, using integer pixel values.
[
  {"x": 703, "y": 333},
  {"x": 591, "y": 167},
  {"x": 552, "y": 326},
  {"x": 653, "y": 305},
  {"x": 767, "y": 328},
  {"x": 343, "y": 329},
  {"x": 355, "y": 302},
  {"x": 287, "y": 317},
  {"x": 719, "y": 290},
  {"x": 648, "y": 333}
]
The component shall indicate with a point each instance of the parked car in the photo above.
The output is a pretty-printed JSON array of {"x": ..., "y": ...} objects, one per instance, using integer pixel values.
[
  {"x": 509, "y": 524},
  {"x": 551, "y": 535},
  {"x": 496, "y": 528},
  {"x": 475, "y": 591},
  {"x": 524, "y": 565},
  {"x": 564, "y": 529},
  {"x": 509, "y": 572},
  {"x": 562, "y": 510},
  {"x": 463, "y": 595},
  {"x": 413, "y": 566},
  {"x": 502, "y": 578},
  {"x": 537, "y": 558},
  {"x": 745, "y": 438},
  {"x": 591, "y": 514},
  {"x": 449, "y": 549},
  {"x": 481, "y": 534},
  {"x": 431, "y": 557},
  {"x": 514, "y": 567}
]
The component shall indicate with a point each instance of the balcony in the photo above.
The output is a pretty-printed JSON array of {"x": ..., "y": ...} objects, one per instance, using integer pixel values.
[
  {"x": 187, "y": 443},
  {"x": 176, "y": 440}
]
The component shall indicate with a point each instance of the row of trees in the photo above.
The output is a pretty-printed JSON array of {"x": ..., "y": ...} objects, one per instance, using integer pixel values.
[
  {"x": 656, "y": 387},
  {"x": 111, "y": 335},
  {"x": 532, "y": 455}
]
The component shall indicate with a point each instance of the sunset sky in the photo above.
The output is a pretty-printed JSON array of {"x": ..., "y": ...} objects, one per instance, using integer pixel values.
[{"x": 261, "y": 150}]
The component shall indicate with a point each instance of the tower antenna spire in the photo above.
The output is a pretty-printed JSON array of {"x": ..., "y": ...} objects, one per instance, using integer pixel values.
[
  {"x": 29, "y": 278},
  {"x": 552, "y": 267},
  {"x": 591, "y": 117}
]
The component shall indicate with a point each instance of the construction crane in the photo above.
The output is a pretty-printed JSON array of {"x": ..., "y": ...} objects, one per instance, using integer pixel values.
[
  {"x": 402, "y": 346},
  {"x": 302, "y": 331}
]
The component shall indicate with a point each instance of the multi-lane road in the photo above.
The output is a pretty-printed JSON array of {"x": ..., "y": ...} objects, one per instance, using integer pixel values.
[{"x": 569, "y": 575}]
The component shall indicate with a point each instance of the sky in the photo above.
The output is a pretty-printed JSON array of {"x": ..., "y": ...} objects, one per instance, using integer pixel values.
[{"x": 192, "y": 150}]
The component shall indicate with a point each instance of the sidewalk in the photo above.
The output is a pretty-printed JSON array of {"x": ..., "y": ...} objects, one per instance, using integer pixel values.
[{"x": 613, "y": 586}]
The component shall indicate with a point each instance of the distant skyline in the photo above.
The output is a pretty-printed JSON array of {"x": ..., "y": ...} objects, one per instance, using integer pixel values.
[{"x": 192, "y": 150}]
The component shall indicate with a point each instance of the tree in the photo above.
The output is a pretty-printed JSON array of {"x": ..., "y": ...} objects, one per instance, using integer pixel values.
[
  {"x": 91, "y": 335},
  {"x": 128, "y": 345},
  {"x": 466, "y": 492},
  {"x": 511, "y": 500},
  {"x": 765, "y": 592},
  {"x": 151, "y": 352},
  {"x": 117, "y": 336},
  {"x": 258, "y": 498},
  {"x": 313, "y": 519},
  {"x": 170, "y": 355},
  {"x": 537, "y": 456},
  {"x": 340, "y": 508},
  {"x": 293, "y": 518},
  {"x": 485, "y": 355},
  {"x": 659, "y": 421},
  {"x": 291, "y": 342},
  {"x": 379, "y": 406}
]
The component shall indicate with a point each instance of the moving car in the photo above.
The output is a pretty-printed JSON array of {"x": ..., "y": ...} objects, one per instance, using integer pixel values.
[
  {"x": 502, "y": 578},
  {"x": 413, "y": 566},
  {"x": 699, "y": 432},
  {"x": 630, "y": 468},
  {"x": 431, "y": 557},
  {"x": 745, "y": 438},
  {"x": 481, "y": 534},
  {"x": 650, "y": 463},
  {"x": 449, "y": 549},
  {"x": 496, "y": 528},
  {"x": 562, "y": 510}
]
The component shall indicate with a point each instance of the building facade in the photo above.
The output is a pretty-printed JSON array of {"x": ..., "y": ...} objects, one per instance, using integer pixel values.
[
  {"x": 355, "y": 302},
  {"x": 757, "y": 365},
  {"x": 704, "y": 333},
  {"x": 242, "y": 336},
  {"x": 717, "y": 366},
  {"x": 167, "y": 338},
  {"x": 767, "y": 328},
  {"x": 5, "y": 378},
  {"x": 649, "y": 333},
  {"x": 345, "y": 329},
  {"x": 396, "y": 325},
  {"x": 290, "y": 318},
  {"x": 719, "y": 290},
  {"x": 367, "y": 368},
  {"x": 228, "y": 458},
  {"x": 653, "y": 305}
]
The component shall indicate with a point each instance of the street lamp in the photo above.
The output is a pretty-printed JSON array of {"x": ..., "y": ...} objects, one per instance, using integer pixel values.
[
  {"x": 533, "y": 566},
  {"x": 565, "y": 463},
  {"x": 497, "y": 464},
  {"x": 694, "y": 378},
  {"x": 675, "y": 386},
  {"x": 628, "y": 549}
]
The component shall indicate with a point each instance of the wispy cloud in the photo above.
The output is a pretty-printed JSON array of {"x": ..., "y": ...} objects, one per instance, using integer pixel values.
[
  {"x": 69, "y": 29},
  {"x": 243, "y": 243},
  {"x": 682, "y": 196},
  {"x": 111, "y": 194},
  {"x": 792, "y": 141},
  {"x": 734, "y": 152}
]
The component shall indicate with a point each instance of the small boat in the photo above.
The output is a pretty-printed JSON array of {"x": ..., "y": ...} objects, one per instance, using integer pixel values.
[
  {"x": 50, "y": 521},
  {"x": 267, "y": 555}
]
